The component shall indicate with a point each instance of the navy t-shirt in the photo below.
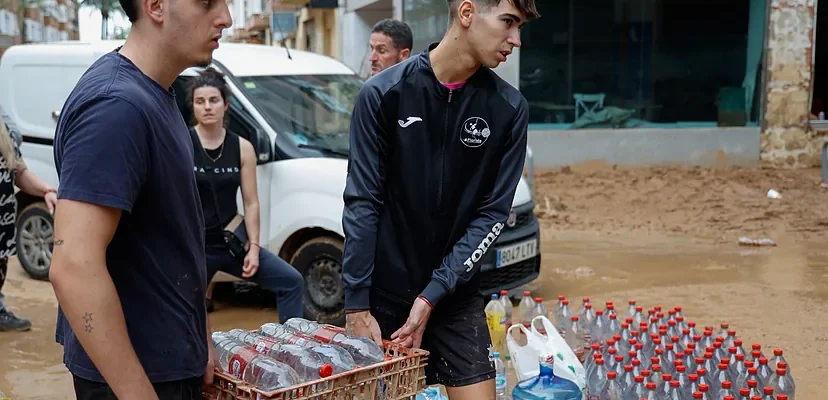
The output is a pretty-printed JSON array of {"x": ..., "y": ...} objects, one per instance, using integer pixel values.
[{"x": 122, "y": 142}]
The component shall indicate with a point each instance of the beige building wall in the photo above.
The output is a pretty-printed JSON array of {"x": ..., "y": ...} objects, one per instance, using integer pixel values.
[
  {"x": 317, "y": 31},
  {"x": 787, "y": 139}
]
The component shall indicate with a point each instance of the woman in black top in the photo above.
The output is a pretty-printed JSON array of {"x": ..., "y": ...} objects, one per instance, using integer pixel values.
[{"x": 224, "y": 162}]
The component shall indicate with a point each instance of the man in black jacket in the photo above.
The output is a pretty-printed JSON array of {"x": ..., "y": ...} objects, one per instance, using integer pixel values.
[{"x": 438, "y": 144}]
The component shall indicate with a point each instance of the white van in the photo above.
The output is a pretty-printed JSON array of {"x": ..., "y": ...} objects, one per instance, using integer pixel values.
[{"x": 295, "y": 108}]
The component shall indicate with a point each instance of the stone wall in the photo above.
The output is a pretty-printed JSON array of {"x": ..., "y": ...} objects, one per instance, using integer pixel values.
[{"x": 787, "y": 140}]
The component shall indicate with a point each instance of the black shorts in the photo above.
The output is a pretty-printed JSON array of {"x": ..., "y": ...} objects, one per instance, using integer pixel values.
[
  {"x": 456, "y": 337},
  {"x": 187, "y": 389}
]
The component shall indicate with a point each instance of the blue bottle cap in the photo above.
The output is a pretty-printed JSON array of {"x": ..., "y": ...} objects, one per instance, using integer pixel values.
[{"x": 494, "y": 296}]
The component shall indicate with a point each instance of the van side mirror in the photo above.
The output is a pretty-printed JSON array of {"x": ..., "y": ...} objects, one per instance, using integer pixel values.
[{"x": 264, "y": 153}]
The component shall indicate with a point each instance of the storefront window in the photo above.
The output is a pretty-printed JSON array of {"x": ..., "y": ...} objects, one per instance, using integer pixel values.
[
  {"x": 644, "y": 63},
  {"x": 428, "y": 20},
  {"x": 632, "y": 63}
]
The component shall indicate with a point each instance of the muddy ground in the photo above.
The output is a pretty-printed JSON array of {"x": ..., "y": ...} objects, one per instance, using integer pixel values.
[{"x": 657, "y": 235}]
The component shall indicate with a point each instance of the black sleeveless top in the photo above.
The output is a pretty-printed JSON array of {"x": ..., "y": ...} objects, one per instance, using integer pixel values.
[{"x": 218, "y": 176}]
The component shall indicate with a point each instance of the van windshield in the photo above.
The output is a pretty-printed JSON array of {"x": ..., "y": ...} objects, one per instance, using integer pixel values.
[{"x": 313, "y": 110}]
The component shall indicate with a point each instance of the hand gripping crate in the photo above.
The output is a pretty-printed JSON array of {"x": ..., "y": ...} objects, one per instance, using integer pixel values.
[{"x": 401, "y": 376}]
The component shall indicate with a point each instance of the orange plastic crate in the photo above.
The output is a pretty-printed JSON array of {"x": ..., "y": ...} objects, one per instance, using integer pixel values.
[{"x": 400, "y": 377}]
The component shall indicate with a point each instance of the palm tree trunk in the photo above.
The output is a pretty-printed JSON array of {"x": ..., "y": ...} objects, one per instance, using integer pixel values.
[{"x": 104, "y": 24}]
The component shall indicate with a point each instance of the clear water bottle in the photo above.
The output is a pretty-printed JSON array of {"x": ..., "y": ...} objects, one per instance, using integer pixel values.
[
  {"x": 596, "y": 380},
  {"x": 587, "y": 319},
  {"x": 631, "y": 308},
  {"x": 527, "y": 303},
  {"x": 547, "y": 386},
  {"x": 723, "y": 331},
  {"x": 565, "y": 315},
  {"x": 589, "y": 357},
  {"x": 339, "y": 358},
  {"x": 753, "y": 386},
  {"x": 725, "y": 390},
  {"x": 783, "y": 384},
  {"x": 305, "y": 362},
  {"x": 558, "y": 305},
  {"x": 364, "y": 351},
  {"x": 719, "y": 377},
  {"x": 496, "y": 321},
  {"x": 673, "y": 392},
  {"x": 763, "y": 370},
  {"x": 507, "y": 307},
  {"x": 638, "y": 316},
  {"x": 776, "y": 359},
  {"x": 597, "y": 332},
  {"x": 538, "y": 310},
  {"x": 612, "y": 390},
  {"x": 637, "y": 390},
  {"x": 500, "y": 377},
  {"x": 582, "y": 308},
  {"x": 245, "y": 363},
  {"x": 784, "y": 365},
  {"x": 576, "y": 339},
  {"x": 613, "y": 327},
  {"x": 755, "y": 353}
]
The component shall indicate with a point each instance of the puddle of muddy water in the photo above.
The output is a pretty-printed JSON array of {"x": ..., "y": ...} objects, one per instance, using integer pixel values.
[{"x": 774, "y": 296}]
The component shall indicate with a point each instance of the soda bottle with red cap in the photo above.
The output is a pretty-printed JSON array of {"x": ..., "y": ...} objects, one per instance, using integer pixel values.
[
  {"x": 338, "y": 357},
  {"x": 305, "y": 362},
  {"x": 244, "y": 362},
  {"x": 364, "y": 351}
]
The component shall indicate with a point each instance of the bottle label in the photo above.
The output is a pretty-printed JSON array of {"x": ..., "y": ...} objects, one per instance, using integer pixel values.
[
  {"x": 325, "y": 335},
  {"x": 264, "y": 346},
  {"x": 495, "y": 322},
  {"x": 298, "y": 340},
  {"x": 500, "y": 381},
  {"x": 240, "y": 360}
]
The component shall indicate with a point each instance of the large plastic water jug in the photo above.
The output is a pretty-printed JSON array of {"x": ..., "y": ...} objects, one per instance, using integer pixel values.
[{"x": 547, "y": 386}]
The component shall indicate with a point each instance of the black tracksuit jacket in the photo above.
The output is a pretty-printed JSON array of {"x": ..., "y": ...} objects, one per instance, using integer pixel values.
[{"x": 432, "y": 174}]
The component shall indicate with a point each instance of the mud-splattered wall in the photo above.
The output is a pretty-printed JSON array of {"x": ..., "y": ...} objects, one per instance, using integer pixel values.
[{"x": 787, "y": 140}]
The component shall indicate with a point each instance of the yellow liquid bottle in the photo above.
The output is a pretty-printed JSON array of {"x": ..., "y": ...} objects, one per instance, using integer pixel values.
[{"x": 496, "y": 321}]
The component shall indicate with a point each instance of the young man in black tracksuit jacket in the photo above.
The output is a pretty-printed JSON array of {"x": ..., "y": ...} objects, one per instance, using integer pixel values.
[{"x": 438, "y": 144}]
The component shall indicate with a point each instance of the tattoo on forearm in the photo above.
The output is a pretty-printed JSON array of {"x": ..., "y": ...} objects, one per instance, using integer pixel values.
[
  {"x": 58, "y": 242},
  {"x": 88, "y": 318}
]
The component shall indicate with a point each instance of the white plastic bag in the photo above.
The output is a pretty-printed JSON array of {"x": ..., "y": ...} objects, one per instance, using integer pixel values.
[
  {"x": 525, "y": 359},
  {"x": 566, "y": 363}
]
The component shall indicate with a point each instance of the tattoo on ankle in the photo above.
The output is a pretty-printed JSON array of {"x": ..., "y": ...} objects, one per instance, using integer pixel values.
[{"x": 88, "y": 318}]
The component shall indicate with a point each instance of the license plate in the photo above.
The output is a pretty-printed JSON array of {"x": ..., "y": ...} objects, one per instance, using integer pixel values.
[{"x": 516, "y": 253}]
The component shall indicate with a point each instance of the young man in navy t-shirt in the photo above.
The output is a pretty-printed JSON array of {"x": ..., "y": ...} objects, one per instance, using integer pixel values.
[{"x": 129, "y": 266}]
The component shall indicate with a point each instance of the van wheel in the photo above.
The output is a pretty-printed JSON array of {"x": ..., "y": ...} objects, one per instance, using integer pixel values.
[
  {"x": 319, "y": 261},
  {"x": 35, "y": 239}
]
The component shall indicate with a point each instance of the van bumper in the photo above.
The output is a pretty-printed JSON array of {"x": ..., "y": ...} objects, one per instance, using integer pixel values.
[{"x": 508, "y": 277}]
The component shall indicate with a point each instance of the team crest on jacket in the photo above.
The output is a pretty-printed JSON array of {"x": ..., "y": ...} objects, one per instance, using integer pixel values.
[{"x": 475, "y": 132}]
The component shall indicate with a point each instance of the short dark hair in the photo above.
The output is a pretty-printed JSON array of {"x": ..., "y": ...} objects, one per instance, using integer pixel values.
[
  {"x": 130, "y": 8},
  {"x": 208, "y": 78},
  {"x": 398, "y": 31},
  {"x": 527, "y": 7}
]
